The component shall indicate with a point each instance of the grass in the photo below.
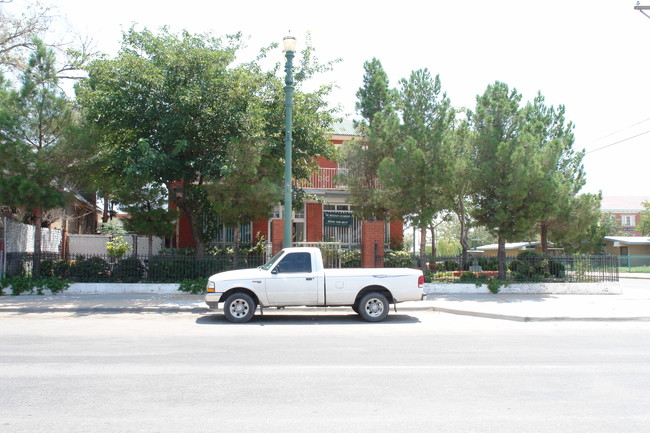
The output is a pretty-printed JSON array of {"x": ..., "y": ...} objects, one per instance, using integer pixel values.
[{"x": 634, "y": 269}]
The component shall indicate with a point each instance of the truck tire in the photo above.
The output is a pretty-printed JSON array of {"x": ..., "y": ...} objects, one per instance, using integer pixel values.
[
  {"x": 373, "y": 307},
  {"x": 239, "y": 308}
]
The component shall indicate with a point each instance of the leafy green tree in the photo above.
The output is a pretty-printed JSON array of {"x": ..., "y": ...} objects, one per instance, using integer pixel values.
[
  {"x": 375, "y": 96},
  {"x": 170, "y": 106},
  {"x": 243, "y": 193},
  {"x": 644, "y": 221},
  {"x": 508, "y": 168},
  {"x": 362, "y": 156},
  {"x": 416, "y": 175},
  {"x": 31, "y": 176},
  {"x": 564, "y": 174},
  {"x": 579, "y": 227}
]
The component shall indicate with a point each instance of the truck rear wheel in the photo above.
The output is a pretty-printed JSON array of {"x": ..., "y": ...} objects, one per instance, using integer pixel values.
[
  {"x": 239, "y": 308},
  {"x": 373, "y": 307}
]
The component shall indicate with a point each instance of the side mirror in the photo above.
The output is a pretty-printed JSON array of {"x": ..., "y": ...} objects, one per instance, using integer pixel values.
[{"x": 276, "y": 270}]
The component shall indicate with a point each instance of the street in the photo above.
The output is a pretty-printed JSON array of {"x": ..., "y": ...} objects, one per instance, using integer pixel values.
[{"x": 320, "y": 370}]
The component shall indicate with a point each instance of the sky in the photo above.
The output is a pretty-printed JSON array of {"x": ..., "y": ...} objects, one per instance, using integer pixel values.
[{"x": 591, "y": 56}]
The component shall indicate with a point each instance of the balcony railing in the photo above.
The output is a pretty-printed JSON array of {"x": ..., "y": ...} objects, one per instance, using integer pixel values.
[{"x": 325, "y": 178}]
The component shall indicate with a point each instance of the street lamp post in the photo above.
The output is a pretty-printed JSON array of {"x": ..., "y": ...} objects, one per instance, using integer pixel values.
[{"x": 289, "y": 50}]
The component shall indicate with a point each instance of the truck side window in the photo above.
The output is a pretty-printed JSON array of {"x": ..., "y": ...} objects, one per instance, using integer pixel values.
[{"x": 295, "y": 262}]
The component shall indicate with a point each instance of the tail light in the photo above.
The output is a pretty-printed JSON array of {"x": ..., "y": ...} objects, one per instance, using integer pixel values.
[{"x": 421, "y": 281}]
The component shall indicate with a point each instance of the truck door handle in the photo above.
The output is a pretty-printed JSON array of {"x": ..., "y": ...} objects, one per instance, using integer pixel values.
[{"x": 309, "y": 278}]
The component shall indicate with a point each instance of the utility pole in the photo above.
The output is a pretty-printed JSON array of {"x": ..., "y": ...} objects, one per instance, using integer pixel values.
[{"x": 642, "y": 9}]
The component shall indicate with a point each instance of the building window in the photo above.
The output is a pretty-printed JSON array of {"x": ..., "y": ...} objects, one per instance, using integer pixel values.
[{"x": 627, "y": 220}]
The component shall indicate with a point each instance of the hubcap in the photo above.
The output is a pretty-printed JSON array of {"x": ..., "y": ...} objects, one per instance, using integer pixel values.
[
  {"x": 239, "y": 308},
  {"x": 374, "y": 307}
]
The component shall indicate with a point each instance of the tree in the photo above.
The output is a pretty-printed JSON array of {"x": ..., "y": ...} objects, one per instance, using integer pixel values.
[
  {"x": 17, "y": 33},
  {"x": 31, "y": 176},
  {"x": 243, "y": 194},
  {"x": 415, "y": 176},
  {"x": 375, "y": 96},
  {"x": 564, "y": 174},
  {"x": 508, "y": 168},
  {"x": 579, "y": 227},
  {"x": 170, "y": 106},
  {"x": 362, "y": 156},
  {"x": 644, "y": 221}
]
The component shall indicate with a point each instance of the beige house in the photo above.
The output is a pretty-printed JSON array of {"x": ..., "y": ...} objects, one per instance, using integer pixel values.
[
  {"x": 515, "y": 248},
  {"x": 627, "y": 245}
]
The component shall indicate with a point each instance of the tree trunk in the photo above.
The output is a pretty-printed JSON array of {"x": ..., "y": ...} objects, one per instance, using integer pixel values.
[
  {"x": 235, "y": 248},
  {"x": 105, "y": 212},
  {"x": 464, "y": 233},
  {"x": 544, "y": 236},
  {"x": 36, "y": 261},
  {"x": 423, "y": 249},
  {"x": 502, "y": 257},
  {"x": 433, "y": 242}
]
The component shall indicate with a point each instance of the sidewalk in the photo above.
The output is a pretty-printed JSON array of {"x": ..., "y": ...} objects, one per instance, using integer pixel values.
[{"x": 632, "y": 305}]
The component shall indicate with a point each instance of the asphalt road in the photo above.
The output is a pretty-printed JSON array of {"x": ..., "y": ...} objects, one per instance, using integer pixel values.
[{"x": 321, "y": 371}]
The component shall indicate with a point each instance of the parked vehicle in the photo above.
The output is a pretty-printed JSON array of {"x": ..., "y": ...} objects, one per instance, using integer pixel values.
[{"x": 296, "y": 277}]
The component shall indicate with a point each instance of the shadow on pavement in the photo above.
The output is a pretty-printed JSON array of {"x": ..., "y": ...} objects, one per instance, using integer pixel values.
[{"x": 305, "y": 319}]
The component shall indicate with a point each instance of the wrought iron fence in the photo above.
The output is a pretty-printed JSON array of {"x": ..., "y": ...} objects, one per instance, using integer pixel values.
[
  {"x": 103, "y": 268},
  {"x": 528, "y": 267}
]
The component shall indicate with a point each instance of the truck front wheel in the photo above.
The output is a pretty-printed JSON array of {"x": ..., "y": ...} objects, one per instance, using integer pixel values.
[
  {"x": 239, "y": 308},
  {"x": 373, "y": 307}
]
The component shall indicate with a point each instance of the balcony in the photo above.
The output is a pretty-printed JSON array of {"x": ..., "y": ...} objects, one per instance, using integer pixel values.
[{"x": 324, "y": 178}]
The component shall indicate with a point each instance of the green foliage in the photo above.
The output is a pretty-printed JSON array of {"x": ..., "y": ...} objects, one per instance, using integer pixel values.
[
  {"x": 468, "y": 276},
  {"x": 55, "y": 268},
  {"x": 90, "y": 269},
  {"x": 112, "y": 227},
  {"x": 488, "y": 263},
  {"x": 129, "y": 270},
  {"x": 178, "y": 108},
  {"x": 399, "y": 259},
  {"x": 116, "y": 248},
  {"x": 644, "y": 222},
  {"x": 494, "y": 285},
  {"x": 194, "y": 287},
  {"x": 21, "y": 285}
]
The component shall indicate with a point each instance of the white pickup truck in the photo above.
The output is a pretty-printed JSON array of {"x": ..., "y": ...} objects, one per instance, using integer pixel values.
[{"x": 296, "y": 276}]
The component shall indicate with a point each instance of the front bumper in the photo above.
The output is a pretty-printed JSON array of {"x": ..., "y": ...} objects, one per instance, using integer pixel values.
[{"x": 212, "y": 299}]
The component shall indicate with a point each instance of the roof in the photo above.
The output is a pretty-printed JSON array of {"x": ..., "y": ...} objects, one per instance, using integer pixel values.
[
  {"x": 614, "y": 203},
  {"x": 629, "y": 240},
  {"x": 511, "y": 246},
  {"x": 343, "y": 127}
]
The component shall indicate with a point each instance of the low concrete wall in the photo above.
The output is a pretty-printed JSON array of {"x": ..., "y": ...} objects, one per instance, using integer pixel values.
[
  {"x": 119, "y": 288},
  {"x": 435, "y": 288},
  {"x": 529, "y": 288}
]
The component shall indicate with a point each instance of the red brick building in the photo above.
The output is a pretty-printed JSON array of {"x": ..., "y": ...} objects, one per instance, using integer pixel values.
[
  {"x": 627, "y": 210},
  {"x": 328, "y": 219}
]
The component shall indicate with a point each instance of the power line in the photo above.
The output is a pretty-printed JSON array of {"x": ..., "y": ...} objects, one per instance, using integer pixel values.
[
  {"x": 620, "y": 130},
  {"x": 617, "y": 142}
]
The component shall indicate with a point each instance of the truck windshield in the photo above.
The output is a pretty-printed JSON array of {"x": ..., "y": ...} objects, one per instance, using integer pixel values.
[{"x": 271, "y": 262}]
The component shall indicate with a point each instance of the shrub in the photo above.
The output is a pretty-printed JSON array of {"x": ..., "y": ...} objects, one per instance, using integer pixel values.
[
  {"x": 397, "y": 259},
  {"x": 450, "y": 266},
  {"x": 90, "y": 269},
  {"x": 194, "y": 287},
  {"x": 488, "y": 263},
  {"x": 468, "y": 276},
  {"x": 557, "y": 269},
  {"x": 20, "y": 285},
  {"x": 129, "y": 270}
]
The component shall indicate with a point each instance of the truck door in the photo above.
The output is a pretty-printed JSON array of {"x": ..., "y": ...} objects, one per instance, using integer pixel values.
[{"x": 293, "y": 281}]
